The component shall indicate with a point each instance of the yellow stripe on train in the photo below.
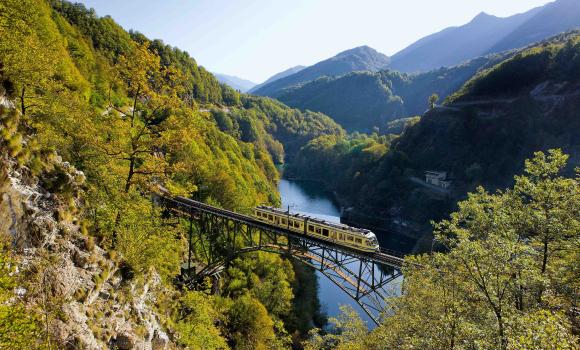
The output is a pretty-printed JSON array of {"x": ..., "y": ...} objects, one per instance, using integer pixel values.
[{"x": 352, "y": 237}]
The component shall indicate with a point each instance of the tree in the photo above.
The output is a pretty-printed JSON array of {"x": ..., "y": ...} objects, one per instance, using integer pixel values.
[
  {"x": 489, "y": 254},
  {"x": 551, "y": 205},
  {"x": 483, "y": 292},
  {"x": 249, "y": 325},
  {"x": 349, "y": 333},
  {"x": 433, "y": 100},
  {"x": 196, "y": 322}
]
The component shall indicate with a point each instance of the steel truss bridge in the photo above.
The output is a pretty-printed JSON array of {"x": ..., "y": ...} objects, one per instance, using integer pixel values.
[{"x": 217, "y": 236}]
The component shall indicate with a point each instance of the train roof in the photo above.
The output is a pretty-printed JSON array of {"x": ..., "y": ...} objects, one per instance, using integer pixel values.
[{"x": 365, "y": 232}]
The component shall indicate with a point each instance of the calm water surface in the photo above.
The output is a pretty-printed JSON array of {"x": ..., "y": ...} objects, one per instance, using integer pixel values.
[{"x": 309, "y": 198}]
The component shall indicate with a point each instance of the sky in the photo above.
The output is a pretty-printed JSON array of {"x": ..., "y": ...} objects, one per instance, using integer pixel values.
[{"x": 255, "y": 39}]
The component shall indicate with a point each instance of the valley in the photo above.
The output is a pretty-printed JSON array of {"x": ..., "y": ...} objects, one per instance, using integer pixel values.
[{"x": 460, "y": 152}]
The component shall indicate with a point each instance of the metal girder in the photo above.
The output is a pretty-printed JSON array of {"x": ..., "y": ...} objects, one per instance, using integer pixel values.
[{"x": 219, "y": 239}]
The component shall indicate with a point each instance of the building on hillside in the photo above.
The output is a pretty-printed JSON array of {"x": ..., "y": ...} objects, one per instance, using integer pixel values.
[{"x": 437, "y": 178}]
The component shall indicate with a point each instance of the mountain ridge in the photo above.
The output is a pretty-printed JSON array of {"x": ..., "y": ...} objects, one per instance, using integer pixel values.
[
  {"x": 237, "y": 83},
  {"x": 277, "y": 76},
  {"x": 487, "y": 34},
  {"x": 361, "y": 58},
  {"x": 362, "y": 101}
]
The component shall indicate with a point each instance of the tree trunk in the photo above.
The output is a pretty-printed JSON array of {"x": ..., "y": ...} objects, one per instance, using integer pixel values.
[
  {"x": 127, "y": 188},
  {"x": 502, "y": 337},
  {"x": 22, "y": 105},
  {"x": 130, "y": 175},
  {"x": 545, "y": 260},
  {"x": 134, "y": 106}
]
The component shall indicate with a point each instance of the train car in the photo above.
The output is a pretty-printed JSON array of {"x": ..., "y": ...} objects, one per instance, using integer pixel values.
[{"x": 355, "y": 238}]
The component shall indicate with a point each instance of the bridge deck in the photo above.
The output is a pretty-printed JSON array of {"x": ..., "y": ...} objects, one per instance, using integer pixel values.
[{"x": 189, "y": 206}]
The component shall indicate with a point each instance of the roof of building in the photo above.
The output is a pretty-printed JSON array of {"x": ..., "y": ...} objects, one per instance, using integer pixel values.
[{"x": 434, "y": 172}]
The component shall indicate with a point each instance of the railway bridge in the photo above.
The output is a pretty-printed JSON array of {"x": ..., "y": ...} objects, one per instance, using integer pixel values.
[{"x": 217, "y": 236}]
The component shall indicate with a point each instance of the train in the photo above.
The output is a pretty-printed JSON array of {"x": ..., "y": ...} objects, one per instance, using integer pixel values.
[{"x": 352, "y": 237}]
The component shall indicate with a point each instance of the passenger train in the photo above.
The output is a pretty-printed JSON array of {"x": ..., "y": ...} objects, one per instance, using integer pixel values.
[{"x": 355, "y": 238}]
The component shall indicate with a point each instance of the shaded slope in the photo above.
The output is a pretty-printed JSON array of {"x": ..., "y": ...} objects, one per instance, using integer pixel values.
[
  {"x": 361, "y": 101},
  {"x": 526, "y": 103}
]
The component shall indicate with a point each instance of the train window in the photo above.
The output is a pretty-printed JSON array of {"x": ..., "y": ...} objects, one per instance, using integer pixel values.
[
  {"x": 270, "y": 217},
  {"x": 311, "y": 228},
  {"x": 296, "y": 224},
  {"x": 284, "y": 221},
  {"x": 358, "y": 240},
  {"x": 350, "y": 238},
  {"x": 340, "y": 236},
  {"x": 325, "y": 232},
  {"x": 318, "y": 230}
]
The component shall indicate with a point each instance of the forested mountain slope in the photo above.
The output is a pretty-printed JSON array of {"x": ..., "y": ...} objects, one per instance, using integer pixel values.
[
  {"x": 487, "y": 34},
  {"x": 361, "y": 58},
  {"x": 526, "y": 103},
  {"x": 94, "y": 118},
  {"x": 363, "y": 101}
]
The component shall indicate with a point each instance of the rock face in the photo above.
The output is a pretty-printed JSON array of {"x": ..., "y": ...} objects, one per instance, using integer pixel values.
[{"x": 94, "y": 306}]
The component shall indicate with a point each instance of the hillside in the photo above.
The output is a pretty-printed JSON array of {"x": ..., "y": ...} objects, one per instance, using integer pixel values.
[
  {"x": 363, "y": 101},
  {"x": 239, "y": 84},
  {"x": 487, "y": 34},
  {"x": 277, "y": 76},
  {"x": 92, "y": 120},
  {"x": 481, "y": 136},
  {"x": 361, "y": 58}
]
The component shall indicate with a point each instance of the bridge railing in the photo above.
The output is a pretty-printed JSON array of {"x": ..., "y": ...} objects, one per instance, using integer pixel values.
[{"x": 391, "y": 252}]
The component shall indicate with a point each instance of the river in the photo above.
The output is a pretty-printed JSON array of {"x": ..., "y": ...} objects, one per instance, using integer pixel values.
[{"x": 310, "y": 198}]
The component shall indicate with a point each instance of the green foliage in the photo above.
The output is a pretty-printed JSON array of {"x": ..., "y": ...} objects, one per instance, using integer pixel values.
[
  {"x": 19, "y": 328},
  {"x": 433, "y": 100},
  {"x": 479, "y": 141},
  {"x": 249, "y": 325},
  {"x": 398, "y": 126},
  {"x": 196, "y": 325},
  {"x": 290, "y": 127},
  {"x": 362, "y": 100},
  {"x": 557, "y": 58},
  {"x": 348, "y": 332},
  {"x": 266, "y": 277},
  {"x": 306, "y": 309},
  {"x": 491, "y": 289},
  {"x": 322, "y": 156},
  {"x": 124, "y": 110}
]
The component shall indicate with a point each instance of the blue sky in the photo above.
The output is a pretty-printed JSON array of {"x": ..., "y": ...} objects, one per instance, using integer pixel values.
[{"x": 254, "y": 39}]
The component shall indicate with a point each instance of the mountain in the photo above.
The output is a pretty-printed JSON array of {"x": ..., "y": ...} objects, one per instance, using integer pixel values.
[
  {"x": 240, "y": 84},
  {"x": 481, "y": 135},
  {"x": 277, "y": 76},
  {"x": 360, "y": 101},
  {"x": 555, "y": 17},
  {"x": 361, "y": 58},
  {"x": 80, "y": 231},
  {"x": 487, "y": 34}
]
